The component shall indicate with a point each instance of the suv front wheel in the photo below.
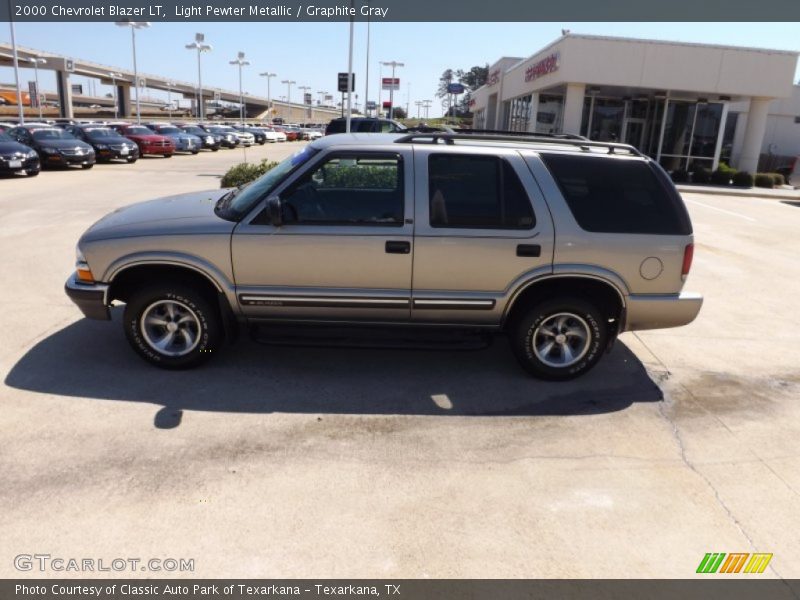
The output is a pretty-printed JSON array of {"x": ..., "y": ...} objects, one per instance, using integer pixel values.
[
  {"x": 559, "y": 339},
  {"x": 172, "y": 326}
]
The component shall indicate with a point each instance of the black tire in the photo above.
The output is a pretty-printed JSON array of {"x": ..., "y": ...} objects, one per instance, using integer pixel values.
[
  {"x": 569, "y": 355},
  {"x": 195, "y": 151},
  {"x": 215, "y": 149},
  {"x": 87, "y": 166},
  {"x": 204, "y": 330},
  {"x": 32, "y": 172},
  {"x": 131, "y": 160},
  {"x": 167, "y": 155}
]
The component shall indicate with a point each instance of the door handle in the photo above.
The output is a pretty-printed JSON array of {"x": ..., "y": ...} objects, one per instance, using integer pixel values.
[
  {"x": 398, "y": 247},
  {"x": 529, "y": 250}
]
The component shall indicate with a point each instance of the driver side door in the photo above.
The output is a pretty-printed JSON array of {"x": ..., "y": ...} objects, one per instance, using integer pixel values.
[{"x": 345, "y": 248}]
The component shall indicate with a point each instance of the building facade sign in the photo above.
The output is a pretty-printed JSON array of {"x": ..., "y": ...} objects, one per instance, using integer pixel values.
[{"x": 548, "y": 64}]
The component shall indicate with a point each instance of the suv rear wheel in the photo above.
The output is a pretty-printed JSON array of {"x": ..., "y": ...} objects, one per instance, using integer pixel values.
[
  {"x": 559, "y": 339},
  {"x": 172, "y": 326}
]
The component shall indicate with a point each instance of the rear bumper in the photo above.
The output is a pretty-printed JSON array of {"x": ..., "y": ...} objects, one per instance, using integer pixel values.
[
  {"x": 660, "y": 312},
  {"x": 90, "y": 298}
]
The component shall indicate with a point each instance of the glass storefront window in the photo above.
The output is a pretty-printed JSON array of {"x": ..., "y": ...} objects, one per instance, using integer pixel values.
[
  {"x": 549, "y": 114},
  {"x": 690, "y": 134},
  {"x": 519, "y": 111},
  {"x": 727, "y": 137}
]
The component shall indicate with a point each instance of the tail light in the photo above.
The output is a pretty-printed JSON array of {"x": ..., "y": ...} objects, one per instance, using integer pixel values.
[{"x": 688, "y": 255}]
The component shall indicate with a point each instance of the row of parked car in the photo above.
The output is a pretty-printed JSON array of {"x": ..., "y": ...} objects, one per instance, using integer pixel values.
[{"x": 34, "y": 146}]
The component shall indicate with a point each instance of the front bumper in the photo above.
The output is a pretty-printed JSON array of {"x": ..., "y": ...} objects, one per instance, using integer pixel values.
[
  {"x": 28, "y": 164},
  {"x": 660, "y": 312},
  {"x": 92, "y": 299},
  {"x": 69, "y": 159}
]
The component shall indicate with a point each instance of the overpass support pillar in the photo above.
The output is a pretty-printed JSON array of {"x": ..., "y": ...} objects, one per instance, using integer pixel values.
[{"x": 64, "y": 94}]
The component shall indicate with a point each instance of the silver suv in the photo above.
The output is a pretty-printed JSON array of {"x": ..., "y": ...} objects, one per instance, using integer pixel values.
[{"x": 560, "y": 242}]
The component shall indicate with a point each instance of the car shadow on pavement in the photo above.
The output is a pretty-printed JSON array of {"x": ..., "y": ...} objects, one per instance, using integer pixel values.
[{"x": 91, "y": 359}]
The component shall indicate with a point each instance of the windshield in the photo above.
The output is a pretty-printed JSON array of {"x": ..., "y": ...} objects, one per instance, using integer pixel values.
[
  {"x": 96, "y": 134},
  {"x": 243, "y": 199},
  {"x": 169, "y": 130},
  {"x": 138, "y": 130},
  {"x": 51, "y": 134},
  {"x": 195, "y": 130}
]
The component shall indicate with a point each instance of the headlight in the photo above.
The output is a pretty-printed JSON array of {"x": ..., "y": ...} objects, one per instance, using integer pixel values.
[
  {"x": 31, "y": 154},
  {"x": 209, "y": 140},
  {"x": 82, "y": 270},
  {"x": 101, "y": 147}
]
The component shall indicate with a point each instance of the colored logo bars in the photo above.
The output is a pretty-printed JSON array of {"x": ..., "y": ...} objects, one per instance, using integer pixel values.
[{"x": 736, "y": 562}]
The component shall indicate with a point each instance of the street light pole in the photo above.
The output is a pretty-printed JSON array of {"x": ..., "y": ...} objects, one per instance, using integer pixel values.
[
  {"x": 241, "y": 62},
  {"x": 269, "y": 76},
  {"x": 36, "y": 62},
  {"x": 394, "y": 64},
  {"x": 305, "y": 89},
  {"x": 114, "y": 76},
  {"x": 16, "y": 73},
  {"x": 134, "y": 25},
  {"x": 201, "y": 47},
  {"x": 366, "y": 76},
  {"x": 289, "y": 85},
  {"x": 350, "y": 74}
]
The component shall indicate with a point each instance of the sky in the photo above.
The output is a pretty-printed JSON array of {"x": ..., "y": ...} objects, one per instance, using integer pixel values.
[{"x": 313, "y": 53}]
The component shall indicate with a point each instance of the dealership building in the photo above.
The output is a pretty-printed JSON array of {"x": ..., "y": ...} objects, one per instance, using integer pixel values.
[{"x": 683, "y": 104}]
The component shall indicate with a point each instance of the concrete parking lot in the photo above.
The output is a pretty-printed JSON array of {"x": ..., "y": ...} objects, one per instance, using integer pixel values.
[{"x": 319, "y": 462}]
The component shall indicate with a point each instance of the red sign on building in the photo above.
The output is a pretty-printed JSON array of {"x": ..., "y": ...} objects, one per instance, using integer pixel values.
[{"x": 549, "y": 64}]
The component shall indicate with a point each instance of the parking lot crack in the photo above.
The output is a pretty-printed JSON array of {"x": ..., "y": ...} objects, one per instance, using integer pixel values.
[{"x": 677, "y": 436}]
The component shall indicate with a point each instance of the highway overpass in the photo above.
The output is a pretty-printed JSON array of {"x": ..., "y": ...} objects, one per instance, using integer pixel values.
[{"x": 65, "y": 67}]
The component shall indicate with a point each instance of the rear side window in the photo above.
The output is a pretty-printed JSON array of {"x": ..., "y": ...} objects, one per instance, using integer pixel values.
[
  {"x": 618, "y": 195},
  {"x": 476, "y": 192},
  {"x": 335, "y": 126}
]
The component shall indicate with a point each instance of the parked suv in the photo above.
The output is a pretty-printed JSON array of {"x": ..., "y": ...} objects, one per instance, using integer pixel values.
[
  {"x": 364, "y": 125},
  {"x": 561, "y": 243}
]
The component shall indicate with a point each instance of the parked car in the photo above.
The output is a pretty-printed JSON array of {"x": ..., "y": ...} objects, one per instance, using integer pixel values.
[
  {"x": 16, "y": 157},
  {"x": 147, "y": 140},
  {"x": 228, "y": 137},
  {"x": 291, "y": 134},
  {"x": 365, "y": 125},
  {"x": 184, "y": 141},
  {"x": 210, "y": 141},
  {"x": 310, "y": 133},
  {"x": 259, "y": 137},
  {"x": 108, "y": 144},
  {"x": 280, "y": 136},
  {"x": 245, "y": 138},
  {"x": 561, "y": 243},
  {"x": 56, "y": 147}
]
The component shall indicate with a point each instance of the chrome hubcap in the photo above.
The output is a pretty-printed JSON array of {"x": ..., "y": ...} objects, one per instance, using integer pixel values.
[
  {"x": 170, "y": 327},
  {"x": 561, "y": 340}
]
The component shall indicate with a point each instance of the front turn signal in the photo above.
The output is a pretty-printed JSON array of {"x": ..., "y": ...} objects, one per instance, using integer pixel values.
[{"x": 84, "y": 273}]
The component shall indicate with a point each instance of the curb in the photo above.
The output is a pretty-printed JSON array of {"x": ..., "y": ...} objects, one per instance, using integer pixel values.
[{"x": 743, "y": 193}]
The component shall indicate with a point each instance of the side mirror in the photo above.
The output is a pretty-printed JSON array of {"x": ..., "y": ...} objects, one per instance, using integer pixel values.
[{"x": 275, "y": 209}]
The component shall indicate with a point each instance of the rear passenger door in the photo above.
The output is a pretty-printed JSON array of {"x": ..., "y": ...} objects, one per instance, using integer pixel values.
[{"x": 482, "y": 226}]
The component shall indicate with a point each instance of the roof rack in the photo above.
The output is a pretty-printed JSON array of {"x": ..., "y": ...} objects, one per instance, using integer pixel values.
[{"x": 556, "y": 139}]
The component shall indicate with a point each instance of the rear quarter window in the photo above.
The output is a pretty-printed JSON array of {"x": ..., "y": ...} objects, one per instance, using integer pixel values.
[{"x": 618, "y": 195}]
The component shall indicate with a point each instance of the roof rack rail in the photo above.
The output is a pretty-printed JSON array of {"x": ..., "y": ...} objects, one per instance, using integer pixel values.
[
  {"x": 556, "y": 139},
  {"x": 520, "y": 134}
]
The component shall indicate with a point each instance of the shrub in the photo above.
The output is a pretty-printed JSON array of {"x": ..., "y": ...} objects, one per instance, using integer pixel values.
[
  {"x": 722, "y": 176},
  {"x": 764, "y": 180},
  {"x": 778, "y": 179},
  {"x": 743, "y": 179},
  {"x": 245, "y": 173},
  {"x": 680, "y": 176},
  {"x": 701, "y": 175}
]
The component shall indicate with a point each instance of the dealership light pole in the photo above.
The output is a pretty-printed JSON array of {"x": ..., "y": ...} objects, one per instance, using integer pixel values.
[
  {"x": 289, "y": 83},
  {"x": 305, "y": 89},
  {"x": 350, "y": 74},
  {"x": 114, "y": 76},
  {"x": 16, "y": 73},
  {"x": 170, "y": 84},
  {"x": 134, "y": 25},
  {"x": 241, "y": 62},
  {"x": 394, "y": 64},
  {"x": 366, "y": 76},
  {"x": 36, "y": 62},
  {"x": 199, "y": 45},
  {"x": 269, "y": 76}
]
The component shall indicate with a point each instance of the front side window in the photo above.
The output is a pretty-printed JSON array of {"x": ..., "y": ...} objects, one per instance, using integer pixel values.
[
  {"x": 476, "y": 192},
  {"x": 362, "y": 189}
]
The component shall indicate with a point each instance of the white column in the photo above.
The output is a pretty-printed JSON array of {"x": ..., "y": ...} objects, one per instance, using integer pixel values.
[
  {"x": 573, "y": 108},
  {"x": 754, "y": 134}
]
